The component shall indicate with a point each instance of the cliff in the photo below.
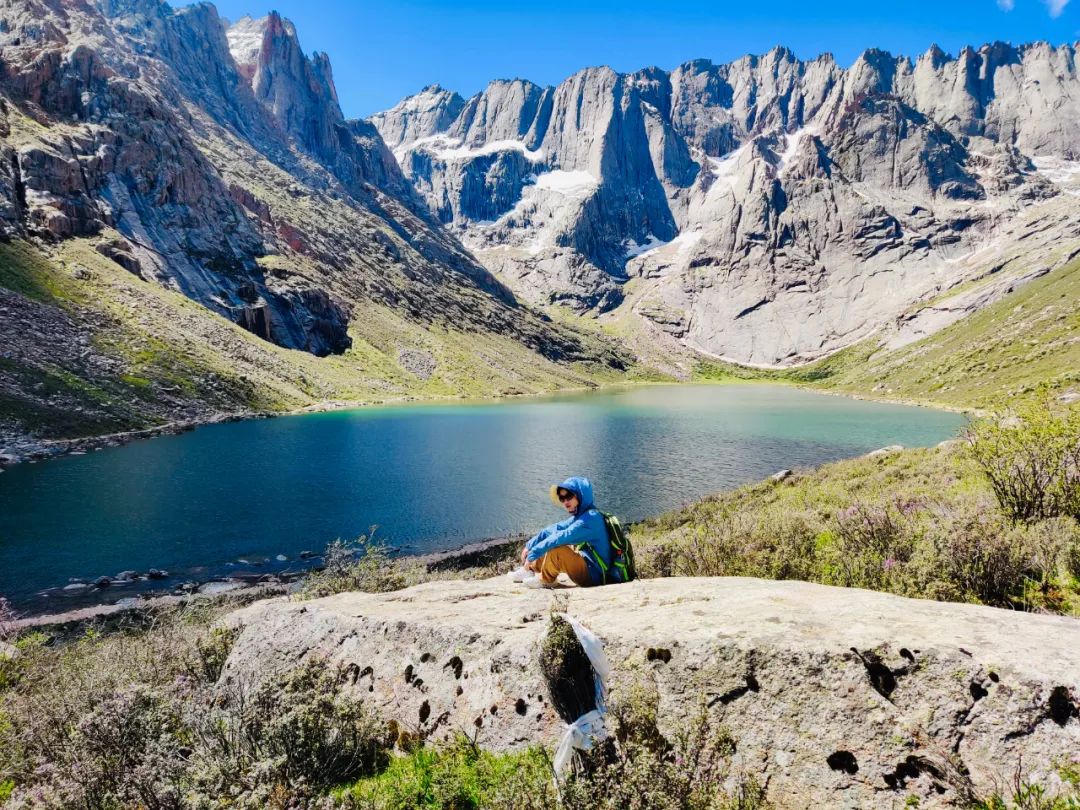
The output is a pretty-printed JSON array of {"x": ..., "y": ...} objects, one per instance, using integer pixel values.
[
  {"x": 215, "y": 162},
  {"x": 769, "y": 210}
]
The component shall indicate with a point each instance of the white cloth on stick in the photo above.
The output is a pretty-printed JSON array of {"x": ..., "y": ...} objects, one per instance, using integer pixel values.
[
  {"x": 580, "y": 735},
  {"x": 590, "y": 728}
]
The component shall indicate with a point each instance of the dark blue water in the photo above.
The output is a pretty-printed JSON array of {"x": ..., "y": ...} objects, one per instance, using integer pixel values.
[{"x": 428, "y": 476}]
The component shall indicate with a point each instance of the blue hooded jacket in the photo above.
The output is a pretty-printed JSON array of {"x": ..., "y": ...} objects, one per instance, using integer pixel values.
[{"x": 586, "y": 525}]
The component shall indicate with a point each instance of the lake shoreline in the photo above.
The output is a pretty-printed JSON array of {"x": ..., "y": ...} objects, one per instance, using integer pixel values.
[
  {"x": 30, "y": 451},
  {"x": 15, "y": 450},
  {"x": 470, "y": 555},
  {"x": 913, "y": 403},
  {"x": 240, "y": 503}
]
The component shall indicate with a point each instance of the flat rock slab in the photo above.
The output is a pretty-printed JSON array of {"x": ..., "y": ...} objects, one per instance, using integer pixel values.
[{"x": 835, "y": 697}]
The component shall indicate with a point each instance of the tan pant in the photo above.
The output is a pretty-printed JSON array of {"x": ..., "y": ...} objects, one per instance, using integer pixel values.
[{"x": 564, "y": 560}]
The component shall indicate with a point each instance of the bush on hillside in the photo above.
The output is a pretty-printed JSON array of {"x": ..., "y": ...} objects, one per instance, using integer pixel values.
[
  {"x": 98, "y": 722},
  {"x": 692, "y": 771},
  {"x": 136, "y": 719},
  {"x": 363, "y": 564},
  {"x": 1031, "y": 458},
  {"x": 921, "y": 524},
  {"x": 294, "y": 735}
]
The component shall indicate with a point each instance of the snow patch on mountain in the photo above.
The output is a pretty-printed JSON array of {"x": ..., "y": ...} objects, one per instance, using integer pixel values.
[
  {"x": 794, "y": 140},
  {"x": 575, "y": 184}
]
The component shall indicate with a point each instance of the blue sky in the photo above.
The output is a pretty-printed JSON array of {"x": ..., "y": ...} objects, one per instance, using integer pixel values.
[{"x": 383, "y": 50}]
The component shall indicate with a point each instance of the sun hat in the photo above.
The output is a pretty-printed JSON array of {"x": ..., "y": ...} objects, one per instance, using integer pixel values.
[{"x": 555, "y": 493}]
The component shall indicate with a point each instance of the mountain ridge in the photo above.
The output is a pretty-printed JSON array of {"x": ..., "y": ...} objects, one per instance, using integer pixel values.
[
  {"x": 934, "y": 52},
  {"x": 127, "y": 126},
  {"x": 879, "y": 149},
  {"x": 769, "y": 211}
]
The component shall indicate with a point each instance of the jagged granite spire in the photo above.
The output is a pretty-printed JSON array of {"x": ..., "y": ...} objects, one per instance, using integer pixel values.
[
  {"x": 299, "y": 91},
  {"x": 779, "y": 209}
]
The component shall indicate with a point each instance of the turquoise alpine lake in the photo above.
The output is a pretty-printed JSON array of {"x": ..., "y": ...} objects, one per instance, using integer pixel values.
[{"x": 252, "y": 496}]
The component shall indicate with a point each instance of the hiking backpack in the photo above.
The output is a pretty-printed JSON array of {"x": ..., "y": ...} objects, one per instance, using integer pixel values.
[{"x": 622, "y": 567}]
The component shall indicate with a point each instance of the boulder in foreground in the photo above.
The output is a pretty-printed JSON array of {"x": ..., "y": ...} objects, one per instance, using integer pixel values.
[{"x": 834, "y": 697}]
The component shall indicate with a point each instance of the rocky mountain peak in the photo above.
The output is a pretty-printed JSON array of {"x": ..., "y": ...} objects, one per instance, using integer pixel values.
[
  {"x": 324, "y": 73},
  {"x": 738, "y": 186},
  {"x": 245, "y": 37},
  {"x": 421, "y": 115},
  {"x": 511, "y": 110},
  {"x": 189, "y": 151},
  {"x": 934, "y": 56},
  {"x": 875, "y": 71},
  {"x": 299, "y": 91}
]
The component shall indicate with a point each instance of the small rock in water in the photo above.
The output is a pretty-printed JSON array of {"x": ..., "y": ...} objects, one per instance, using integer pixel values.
[
  {"x": 155, "y": 573},
  {"x": 76, "y": 586},
  {"x": 103, "y": 582},
  {"x": 126, "y": 576},
  {"x": 307, "y": 555},
  {"x": 783, "y": 475},
  {"x": 281, "y": 558}
]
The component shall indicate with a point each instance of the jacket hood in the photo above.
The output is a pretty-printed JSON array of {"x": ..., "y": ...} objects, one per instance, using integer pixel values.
[{"x": 581, "y": 487}]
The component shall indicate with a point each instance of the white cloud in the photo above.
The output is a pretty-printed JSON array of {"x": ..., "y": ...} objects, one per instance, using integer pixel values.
[
  {"x": 1056, "y": 6},
  {"x": 1006, "y": 5}
]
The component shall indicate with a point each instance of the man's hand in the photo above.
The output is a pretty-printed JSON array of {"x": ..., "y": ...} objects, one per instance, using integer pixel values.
[{"x": 524, "y": 554}]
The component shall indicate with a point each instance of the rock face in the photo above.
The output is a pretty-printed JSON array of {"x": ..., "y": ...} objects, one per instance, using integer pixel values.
[
  {"x": 775, "y": 209},
  {"x": 110, "y": 148},
  {"x": 216, "y": 161},
  {"x": 835, "y": 697}
]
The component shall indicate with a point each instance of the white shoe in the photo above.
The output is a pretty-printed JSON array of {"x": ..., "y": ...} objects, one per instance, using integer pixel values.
[
  {"x": 535, "y": 582},
  {"x": 521, "y": 574}
]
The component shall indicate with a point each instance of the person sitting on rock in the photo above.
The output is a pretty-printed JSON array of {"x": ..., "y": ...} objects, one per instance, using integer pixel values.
[{"x": 577, "y": 546}]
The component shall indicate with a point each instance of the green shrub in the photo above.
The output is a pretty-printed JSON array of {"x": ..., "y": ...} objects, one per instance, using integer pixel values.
[
  {"x": 871, "y": 544},
  {"x": 691, "y": 772},
  {"x": 1031, "y": 458},
  {"x": 297, "y": 734},
  {"x": 363, "y": 564},
  {"x": 922, "y": 523},
  {"x": 1023, "y": 794},
  {"x": 458, "y": 776},
  {"x": 135, "y": 718},
  {"x": 972, "y": 558},
  {"x": 126, "y": 751},
  {"x": 732, "y": 542},
  {"x": 98, "y": 722}
]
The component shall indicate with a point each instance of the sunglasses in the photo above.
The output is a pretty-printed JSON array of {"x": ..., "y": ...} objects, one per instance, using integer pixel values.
[{"x": 564, "y": 495}]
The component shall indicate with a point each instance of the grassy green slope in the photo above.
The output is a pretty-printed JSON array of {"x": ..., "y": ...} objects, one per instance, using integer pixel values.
[
  {"x": 1028, "y": 338},
  {"x": 90, "y": 349}
]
